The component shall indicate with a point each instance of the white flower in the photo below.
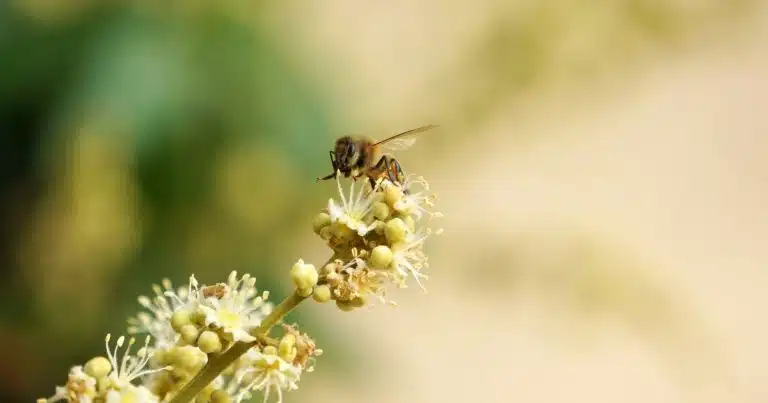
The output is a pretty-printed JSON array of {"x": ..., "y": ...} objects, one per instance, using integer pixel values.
[
  {"x": 267, "y": 372},
  {"x": 238, "y": 309},
  {"x": 355, "y": 210},
  {"x": 81, "y": 387},
  {"x": 125, "y": 370},
  {"x": 408, "y": 258},
  {"x": 162, "y": 306},
  {"x": 415, "y": 202}
]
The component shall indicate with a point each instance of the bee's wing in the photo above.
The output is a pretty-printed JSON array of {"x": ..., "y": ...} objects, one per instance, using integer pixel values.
[
  {"x": 398, "y": 144},
  {"x": 404, "y": 140}
]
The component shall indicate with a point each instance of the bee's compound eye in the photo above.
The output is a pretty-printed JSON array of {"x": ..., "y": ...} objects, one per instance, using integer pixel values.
[{"x": 351, "y": 154}]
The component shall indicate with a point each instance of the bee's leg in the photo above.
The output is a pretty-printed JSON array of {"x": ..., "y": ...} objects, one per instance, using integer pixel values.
[
  {"x": 331, "y": 175},
  {"x": 381, "y": 167},
  {"x": 396, "y": 170},
  {"x": 326, "y": 177},
  {"x": 392, "y": 169}
]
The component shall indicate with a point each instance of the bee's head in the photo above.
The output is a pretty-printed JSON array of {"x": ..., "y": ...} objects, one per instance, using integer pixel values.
[{"x": 347, "y": 154}]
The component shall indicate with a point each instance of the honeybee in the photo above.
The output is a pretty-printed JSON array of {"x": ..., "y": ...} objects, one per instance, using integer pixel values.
[{"x": 357, "y": 156}]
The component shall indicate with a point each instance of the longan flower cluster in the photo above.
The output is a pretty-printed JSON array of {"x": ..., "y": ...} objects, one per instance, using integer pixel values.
[
  {"x": 212, "y": 344},
  {"x": 377, "y": 234},
  {"x": 205, "y": 320},
  {"x": 188, "y": 325},
  {"x": 109, "y": 379},
  {"x": 191, "y": 322},
  {"x": 275, "y": 366}
]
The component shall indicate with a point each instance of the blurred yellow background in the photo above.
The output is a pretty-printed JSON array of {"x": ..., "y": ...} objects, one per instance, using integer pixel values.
[{"x": 601, "y": 166}]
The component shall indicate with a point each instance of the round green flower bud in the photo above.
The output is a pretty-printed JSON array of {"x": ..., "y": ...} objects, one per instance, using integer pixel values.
[
  {"x": 396, "y": 230},
  {"x": 380, "y": 227},
  {"x": 97, "y": 367},
  {"x": 198, "y": 317},
  {"x": 327, "y": 269},
  {"x": 187, "y": 357},
  {"x": 381, "y": 257},
  {"x": 209, "y": 342},
  {"x": 321, "y": 221},
  {"x": 326, "y": 233},
  {"x": 304, "y": 275},
  {"x": 392, "y": 194},
  {"x": 179, "y": 319},
  {"x": 333, "y": 277},
  {"x": 270, "y": 350},
  {"x": 322, "y": 293},
  {"x": 220, "y": 396},
  {"x": 380, "y": 211},
  {"x": 159, "y": 358},
  {"x": 189, "y": 333},
  {"x": 345, "y": 306},
  {"x": 357, "y": 302}
]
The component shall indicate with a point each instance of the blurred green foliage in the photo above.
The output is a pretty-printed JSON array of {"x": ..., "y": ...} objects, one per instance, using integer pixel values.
[{"x": 178, "y": 98}]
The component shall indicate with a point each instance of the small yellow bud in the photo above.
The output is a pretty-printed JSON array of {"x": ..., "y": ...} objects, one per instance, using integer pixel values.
[
  {"x": 220, "y": 396},
  {"x": 326, "y": 233},
  {"x": 189, "y": 333},
  {"x": 270, "y": 350},
  {"x": 322, "y": 293},
  {"x": 97, "y": 367},
  {"x": 321, "y": 221},
  {"x": 380, "y": 211},
  {"x": 304, "y": 292},
  {"x": 205, "y": 395},
  {"x": 304, "y": 275},
  {"x": 381, "y": 257},
  {"x": 392, "y": 194},
  {"x": 198, "y": 317},
  {"x": 327, "y": 269},
  {"x": 357, "y": 302},
  {"x": 187, "y": 357},
  {"x": 380, "y": 227},
  {"x": 333, "y": 278},
  {"x": 345, "y": 306},
  {"x": 179, "y": 319},
  {"x": 287, "y": 343},
  {"x": 396, "y": 230},
  {"x": 159, "y": 358},
  {"x": 209, "y": 342}
]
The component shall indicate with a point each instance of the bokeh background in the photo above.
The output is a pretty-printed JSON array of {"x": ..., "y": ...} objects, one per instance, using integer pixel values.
[{"x": 602, "y": 167}]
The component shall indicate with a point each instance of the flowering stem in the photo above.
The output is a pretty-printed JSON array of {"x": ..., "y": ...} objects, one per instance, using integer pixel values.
[{"x": 217, "y": 363}]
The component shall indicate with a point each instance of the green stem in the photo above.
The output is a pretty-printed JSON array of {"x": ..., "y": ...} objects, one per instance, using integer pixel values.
[{"x": 217, "y": 363}]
